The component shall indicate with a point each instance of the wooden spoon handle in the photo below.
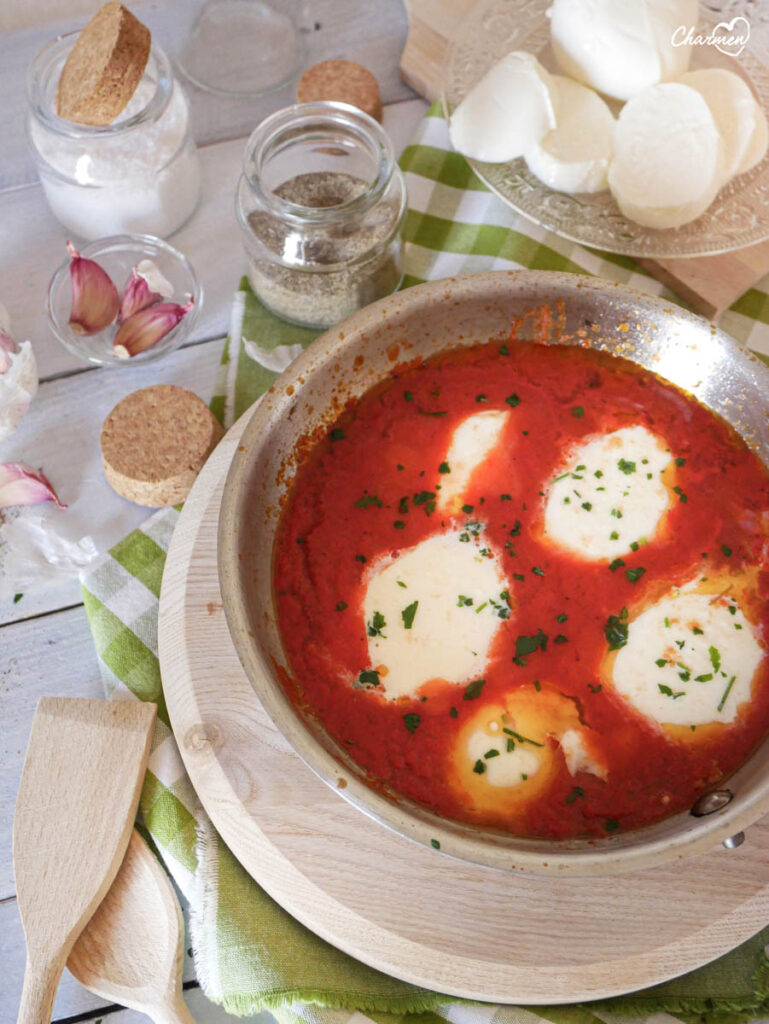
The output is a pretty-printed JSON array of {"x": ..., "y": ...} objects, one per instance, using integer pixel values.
[{"x": 39, "y": 991}]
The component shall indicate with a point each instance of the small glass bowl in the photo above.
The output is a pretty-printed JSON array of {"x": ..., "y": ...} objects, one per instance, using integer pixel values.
[{"x": 118, "y": 255}]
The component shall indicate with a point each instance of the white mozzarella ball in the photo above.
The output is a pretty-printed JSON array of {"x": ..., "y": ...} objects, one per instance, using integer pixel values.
[
  {"x": 505, "y": 113},
  {"x": 575, "y": 156},
  {"x": 733, "y": 107},
  {"x": 668, "y": 162}
]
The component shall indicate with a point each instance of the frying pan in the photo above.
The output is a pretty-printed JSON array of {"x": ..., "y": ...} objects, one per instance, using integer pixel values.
[{"x": 561, "y": 309}]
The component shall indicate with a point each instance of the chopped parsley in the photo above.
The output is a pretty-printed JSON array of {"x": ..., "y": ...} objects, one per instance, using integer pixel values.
[
  {"x": 337, "y": 434},
  {"x": 616, "y": 564},
  {"x": 616, "y": 630},
  {"x": 481, "y": 398},
  {"x": 411, "y": 721},
  {"x": 435, "y": 844},
  {"x": 467, "y": 509},
  {"x": 726, "y": 693},
  {"x": 408, "y": 396},
  {"x": 525, "y": 645},
  {"x": 675, "y": 694},
  {"x": 464, "y": 602},
  {"x": 626, "y": 467},
  {"x": 613, "y": 535},
  {"x": 560, "y": 639},
  {"x": 369, "y": 677},
  {"x": 453, "y": 713},
  {"x": 361, "y": 558},
  {"x": 594, "y": 688},
  {"x": 516, "y": 530},
  {"x": 376, "y": 624},
  {"x": 538, "y": 571},
  {"x": 444, "y": 468},
  {"x": 575, "y": 794},
  {"x": 408, "y": 614},
  {"x": 491, "y": 753},
  {"x": 399, "y": 524},
  {"x": 422, "y": 497},
  {"x": 479, "y": 767},
  {"x": 611, "y": 825},
  {"x": 680, "y": 462},
  {"x": 341, "y": 605},
  {"x": 561, "y": 618},
  {"x": 726, "y": 550},
  {"x": 715, "y": 658},
  {"x": 661, "y": 662},
  {"x": 17, "y": 598},
  {"x": 367, "y": 501},
  {"x": 634, "y": 575},
  {"x": 704, "y": 678},
  {"x": 587, "y": 506},
  {"x": 473, "y": 690},
  {"x": 577, "y": 412},
  {"x": 681, "y": 496},
  {"x": 513, "y": 400}
]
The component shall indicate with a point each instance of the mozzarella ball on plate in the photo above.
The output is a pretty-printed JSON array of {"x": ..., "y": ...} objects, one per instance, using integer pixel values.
[
  {"x": 734, "y": 110},
  {"x": 575, "y": 156},
  {"x": 668, "y": 162},
  {"x": 507, "y": 112},
  {"x": 620, "y": 46},
  {"x": 759, "y": 141}
]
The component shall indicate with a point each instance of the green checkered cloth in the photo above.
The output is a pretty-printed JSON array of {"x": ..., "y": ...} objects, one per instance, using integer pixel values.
[{"x": 249, "y": 953}]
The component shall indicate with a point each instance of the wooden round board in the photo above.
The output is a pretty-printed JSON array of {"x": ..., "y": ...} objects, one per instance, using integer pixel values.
[{"x": 405, "y": 909}]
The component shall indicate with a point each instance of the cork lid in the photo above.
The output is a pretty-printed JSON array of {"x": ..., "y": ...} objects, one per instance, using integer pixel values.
[
  {"x": 155, "y": 442},
  {"x": 104, "y": 67},
  {"x": 341, "y": 81}
]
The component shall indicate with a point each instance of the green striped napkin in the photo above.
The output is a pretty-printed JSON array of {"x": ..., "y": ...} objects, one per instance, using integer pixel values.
[{"x": 249, "y": 954}]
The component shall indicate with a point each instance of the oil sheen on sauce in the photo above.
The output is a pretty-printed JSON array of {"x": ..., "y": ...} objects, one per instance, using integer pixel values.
[{"x": 524, "y": 586}]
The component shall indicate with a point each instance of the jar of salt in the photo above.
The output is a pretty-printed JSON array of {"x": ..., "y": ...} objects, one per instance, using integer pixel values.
[
  {"x": 139, "y": 174},
  {"x": 321, "y": 203}
]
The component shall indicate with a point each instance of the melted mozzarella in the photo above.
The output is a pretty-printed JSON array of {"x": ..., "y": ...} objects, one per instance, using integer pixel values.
[
  {"x": 504, "y": 768},
  {"x": 578, "y": 756},
  {"x": 471, "y": 443},
  {"x": 689, "y": 660},
  {"x": 609, "y": 494},
  {"x": 458, "y": 593}
]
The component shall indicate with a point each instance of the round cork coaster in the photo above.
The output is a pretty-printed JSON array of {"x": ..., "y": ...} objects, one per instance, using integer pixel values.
[
  {"x": 104, "y": 67},
  {"x": 155, "y": 442},
  {"x": 341, "y": 81}
]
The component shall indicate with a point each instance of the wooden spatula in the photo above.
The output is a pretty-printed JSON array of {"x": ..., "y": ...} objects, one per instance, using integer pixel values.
[
  {"x": 131, "y": 950},
  {"x": 77, "y": 800}
]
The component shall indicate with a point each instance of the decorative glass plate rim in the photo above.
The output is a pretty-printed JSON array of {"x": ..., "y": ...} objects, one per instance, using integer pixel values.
[{"x": 738, "y": 217}]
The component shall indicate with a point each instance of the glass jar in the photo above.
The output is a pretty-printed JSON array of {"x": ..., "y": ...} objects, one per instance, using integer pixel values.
[
  {"x": 138, "y": 175},
  {"x": 321, "y": 203}
]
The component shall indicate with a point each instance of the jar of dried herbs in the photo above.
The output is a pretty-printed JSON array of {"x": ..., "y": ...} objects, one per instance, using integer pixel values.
[{"x": 321, "y": 203}]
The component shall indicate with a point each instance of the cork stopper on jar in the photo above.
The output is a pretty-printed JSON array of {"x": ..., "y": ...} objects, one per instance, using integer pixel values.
[
  {"x": 155, "y": 442},
  {"x": 104, "y": 67},
  {"x": 341, "y": 81}
]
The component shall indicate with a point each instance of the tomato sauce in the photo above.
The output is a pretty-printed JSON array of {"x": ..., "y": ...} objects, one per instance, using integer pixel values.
[{"x": 389, "y": 445}]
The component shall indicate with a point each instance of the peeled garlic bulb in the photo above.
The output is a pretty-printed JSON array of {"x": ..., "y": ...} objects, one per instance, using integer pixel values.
[{"x": 18, "y": 378}]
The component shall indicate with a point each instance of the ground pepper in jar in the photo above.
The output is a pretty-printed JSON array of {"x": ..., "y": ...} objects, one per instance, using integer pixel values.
[{"x": 326, "y": 242}]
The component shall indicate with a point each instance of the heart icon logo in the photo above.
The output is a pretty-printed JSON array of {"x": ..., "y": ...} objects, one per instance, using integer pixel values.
[{"x": 732, "y": 37}]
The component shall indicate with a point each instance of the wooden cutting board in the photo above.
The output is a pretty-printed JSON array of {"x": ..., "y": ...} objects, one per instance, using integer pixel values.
[
  {"x": 710, "y": 284},
  {"x": 401, "y": 907}
]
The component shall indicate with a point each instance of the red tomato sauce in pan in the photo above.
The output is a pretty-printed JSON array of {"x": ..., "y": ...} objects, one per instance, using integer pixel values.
[{"x": 368, "y": 490}]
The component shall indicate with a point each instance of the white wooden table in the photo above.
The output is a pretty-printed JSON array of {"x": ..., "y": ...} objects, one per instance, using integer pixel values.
[{"x": 45, "y": 643}]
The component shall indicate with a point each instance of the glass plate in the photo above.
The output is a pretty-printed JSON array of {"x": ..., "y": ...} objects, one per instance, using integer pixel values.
[{"x": 738, "y": 216}]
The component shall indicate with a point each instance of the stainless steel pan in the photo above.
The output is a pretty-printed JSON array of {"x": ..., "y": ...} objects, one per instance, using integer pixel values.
[{"x": 344, "y": 363}]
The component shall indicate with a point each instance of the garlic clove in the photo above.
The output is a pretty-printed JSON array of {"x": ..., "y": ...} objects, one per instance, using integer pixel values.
[
  {"x": 22, "y": 484},
  {"x": 95, "y": 300},
  {"x": 147, "y": 327},
  {"x": 137, "y": 295},
  {"x": 18, "y": 386},
  {"x": 7, "y": 349}
]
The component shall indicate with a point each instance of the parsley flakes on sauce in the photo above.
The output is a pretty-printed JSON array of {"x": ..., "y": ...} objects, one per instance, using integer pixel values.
[
  {"x": 411, "y": 721},
  {"x": 408, "y": 614}
]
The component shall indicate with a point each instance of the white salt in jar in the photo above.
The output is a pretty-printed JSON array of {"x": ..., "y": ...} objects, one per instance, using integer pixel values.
[{"x": 140, "y": 174}]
